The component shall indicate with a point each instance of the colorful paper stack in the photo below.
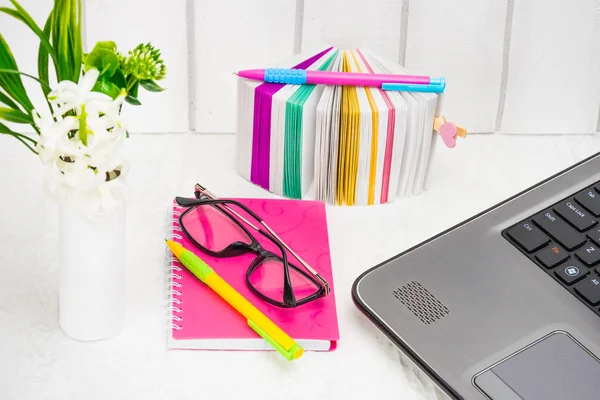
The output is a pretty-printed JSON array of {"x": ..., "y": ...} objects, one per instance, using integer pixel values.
[{"x": 356, "y": 145}]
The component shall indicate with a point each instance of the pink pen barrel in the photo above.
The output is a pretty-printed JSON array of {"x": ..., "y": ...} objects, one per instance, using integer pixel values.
[
  {"x": 361, "y": 79},
  {"x": 255, "y": 74}
]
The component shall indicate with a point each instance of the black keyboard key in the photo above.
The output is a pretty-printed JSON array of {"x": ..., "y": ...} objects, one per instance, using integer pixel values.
[
  {"x": 571, "y": 272},
  {"x": 595, "y": 236},
  {"x": 552, "y": 255},
  {"x": 556, "y": 227},
  {"x": 528, "y": 236},
  {"x": 575, "y": 215},
  {"x": 589, "y": 289},
  {"x": 589, "y": 254},
  {"x": 590, "y": 199}
]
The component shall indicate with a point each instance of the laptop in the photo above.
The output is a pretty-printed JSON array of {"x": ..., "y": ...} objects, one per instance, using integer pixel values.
[{"x": 505, "y": 305}]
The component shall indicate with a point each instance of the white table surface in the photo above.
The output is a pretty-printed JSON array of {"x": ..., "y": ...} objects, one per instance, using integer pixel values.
[{"x": 37, "y": 361}]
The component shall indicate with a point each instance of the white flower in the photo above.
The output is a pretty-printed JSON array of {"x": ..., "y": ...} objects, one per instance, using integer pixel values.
[
  {"x": 71, "y": 96},
  {"x": 80, "y": 144},
  {"x": 54, "y": 138}
]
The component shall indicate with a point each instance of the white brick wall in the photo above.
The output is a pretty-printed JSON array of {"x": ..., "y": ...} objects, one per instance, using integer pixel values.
[{"x": 513, "y": 66}]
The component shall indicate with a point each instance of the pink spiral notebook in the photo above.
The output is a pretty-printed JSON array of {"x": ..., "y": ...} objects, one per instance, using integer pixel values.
[{"x": 200, "y": 319}]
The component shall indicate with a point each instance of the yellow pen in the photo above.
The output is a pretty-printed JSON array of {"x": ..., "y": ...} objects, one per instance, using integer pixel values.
[{"x": 256, "y": 319}]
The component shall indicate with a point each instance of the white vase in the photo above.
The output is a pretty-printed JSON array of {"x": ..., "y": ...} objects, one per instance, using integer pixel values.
[{"x": 92, "y": 281}]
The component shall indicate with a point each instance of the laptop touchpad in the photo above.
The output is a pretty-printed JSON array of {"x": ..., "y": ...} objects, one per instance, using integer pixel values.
[{"x": 555, "y": 368}]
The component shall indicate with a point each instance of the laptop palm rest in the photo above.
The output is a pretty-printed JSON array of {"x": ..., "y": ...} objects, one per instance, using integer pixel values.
[{"x": 553, "y": 368}]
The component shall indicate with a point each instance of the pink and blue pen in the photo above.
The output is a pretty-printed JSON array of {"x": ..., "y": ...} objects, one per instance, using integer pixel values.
[{"x": 409, "y": 83}]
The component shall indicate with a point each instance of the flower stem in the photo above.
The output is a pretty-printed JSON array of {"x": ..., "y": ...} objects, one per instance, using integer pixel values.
[
  {"x": 83, "y": 126},
  {"x": 131, "y": 80}
]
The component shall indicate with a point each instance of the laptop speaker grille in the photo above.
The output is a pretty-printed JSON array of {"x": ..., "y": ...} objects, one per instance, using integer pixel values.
[{"x": 421, "y": 302}]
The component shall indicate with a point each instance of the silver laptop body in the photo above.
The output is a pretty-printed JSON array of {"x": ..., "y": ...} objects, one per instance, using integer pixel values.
[{"x": 482, "y": 316}]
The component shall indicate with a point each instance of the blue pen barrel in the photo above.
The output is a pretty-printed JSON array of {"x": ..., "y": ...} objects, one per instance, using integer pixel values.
[{"x": 287, "y": 76}]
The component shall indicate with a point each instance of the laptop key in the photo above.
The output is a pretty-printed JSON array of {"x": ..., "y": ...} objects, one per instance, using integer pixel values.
[
  {"x": 589, "y": 254},
  {"x": 556, "y": 227},
  {"x": 528, "y": 236},
  {"x": 595, "y": 236},
  {"x": 575, "y": 215},
  {"x": 571, "y": 272},
  {"x": 589, "y": 289},
  {"x": 552, "y": 255},
  {"x": 590, "y": 199}
]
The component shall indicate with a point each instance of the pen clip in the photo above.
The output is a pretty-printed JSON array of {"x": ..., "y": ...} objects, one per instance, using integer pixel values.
[
  {"x": 409, "y": 87},
  {"x": 289, "y": 354}
]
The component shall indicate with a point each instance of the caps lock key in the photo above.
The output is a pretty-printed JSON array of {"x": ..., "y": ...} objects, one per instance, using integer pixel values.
[{"x": 575, "y": 215}]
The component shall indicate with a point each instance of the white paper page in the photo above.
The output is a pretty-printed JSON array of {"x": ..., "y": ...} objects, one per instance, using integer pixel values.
[
  {"x": 308, "y": 133},
  {"x": 308, "y": 138},
  {"x": 363, "y": 138},
  {"x": 364, "y": 148},
  {"x": 245, "y": 112},
  {"x": 244, "y": 124},
  {"x": 332, "y": 176},
  {"x": 320, "y": 144},
  {"x": 324, "y": 136},
  {"x": 407, "y": 170},
  {"x": 399, "y": 162},
  {"x": 322, "y": 140},
  {"x": 401, "y": 144},
  {"x": 324, "y": 156},
  {"x": 419, "y": 135},
  {"x": 421, "y": 170},
  {"x": 334, "y": 136},
  {"x": 376, "y": 107},
  {"x": 381, "y": 144},
  {"x": 429, "y": 107},
  {"x": 278, "y": 116},
  {"x": 380, "y": 139},
  {"x": 278, "y": 112},
  {"x": 435, "y": 142}
]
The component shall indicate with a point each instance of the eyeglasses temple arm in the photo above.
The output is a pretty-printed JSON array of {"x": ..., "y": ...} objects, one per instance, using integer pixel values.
[{"x": 323, "y": 282}]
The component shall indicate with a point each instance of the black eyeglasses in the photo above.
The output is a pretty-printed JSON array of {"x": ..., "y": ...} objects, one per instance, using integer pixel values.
[{"x": 215, "y": 227}]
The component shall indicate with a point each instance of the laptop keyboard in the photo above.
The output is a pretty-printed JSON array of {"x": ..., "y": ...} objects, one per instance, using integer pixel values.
[{"x": 564, "y": 240}]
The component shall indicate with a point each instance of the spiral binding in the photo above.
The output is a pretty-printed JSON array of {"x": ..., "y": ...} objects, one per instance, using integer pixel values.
[{"x": 174, "y": 304}]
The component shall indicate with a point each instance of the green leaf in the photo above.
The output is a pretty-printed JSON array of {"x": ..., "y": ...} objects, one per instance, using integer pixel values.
[
  {"x": 133, "y": 92},
  {"x": 24, "y": 17},
  {"x": 151, "y": 86},
  {"x": 11, "y": 71},
  {"x": 6, "y": 129},
  {"x": 4, "y": 99},
  {"x": 132, "y": 100},
  {"x": 17, "y": 116},
  {"x": 76, "y": 45},
  {"x": 43, "y": 60},
  {"x": 20, "y": 137},
  {"x": 104, "y": 58},
  {"x": 60, "y": 39},
  {"x": 106, "y": 45},
  {"x": 119, "y": 79},
  {"x": 104, "y": 85},
  {"x": 10, "y": 82}
]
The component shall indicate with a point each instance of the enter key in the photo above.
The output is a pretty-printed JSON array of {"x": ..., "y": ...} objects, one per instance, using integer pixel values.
[{"x": 575, "y": 215}]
